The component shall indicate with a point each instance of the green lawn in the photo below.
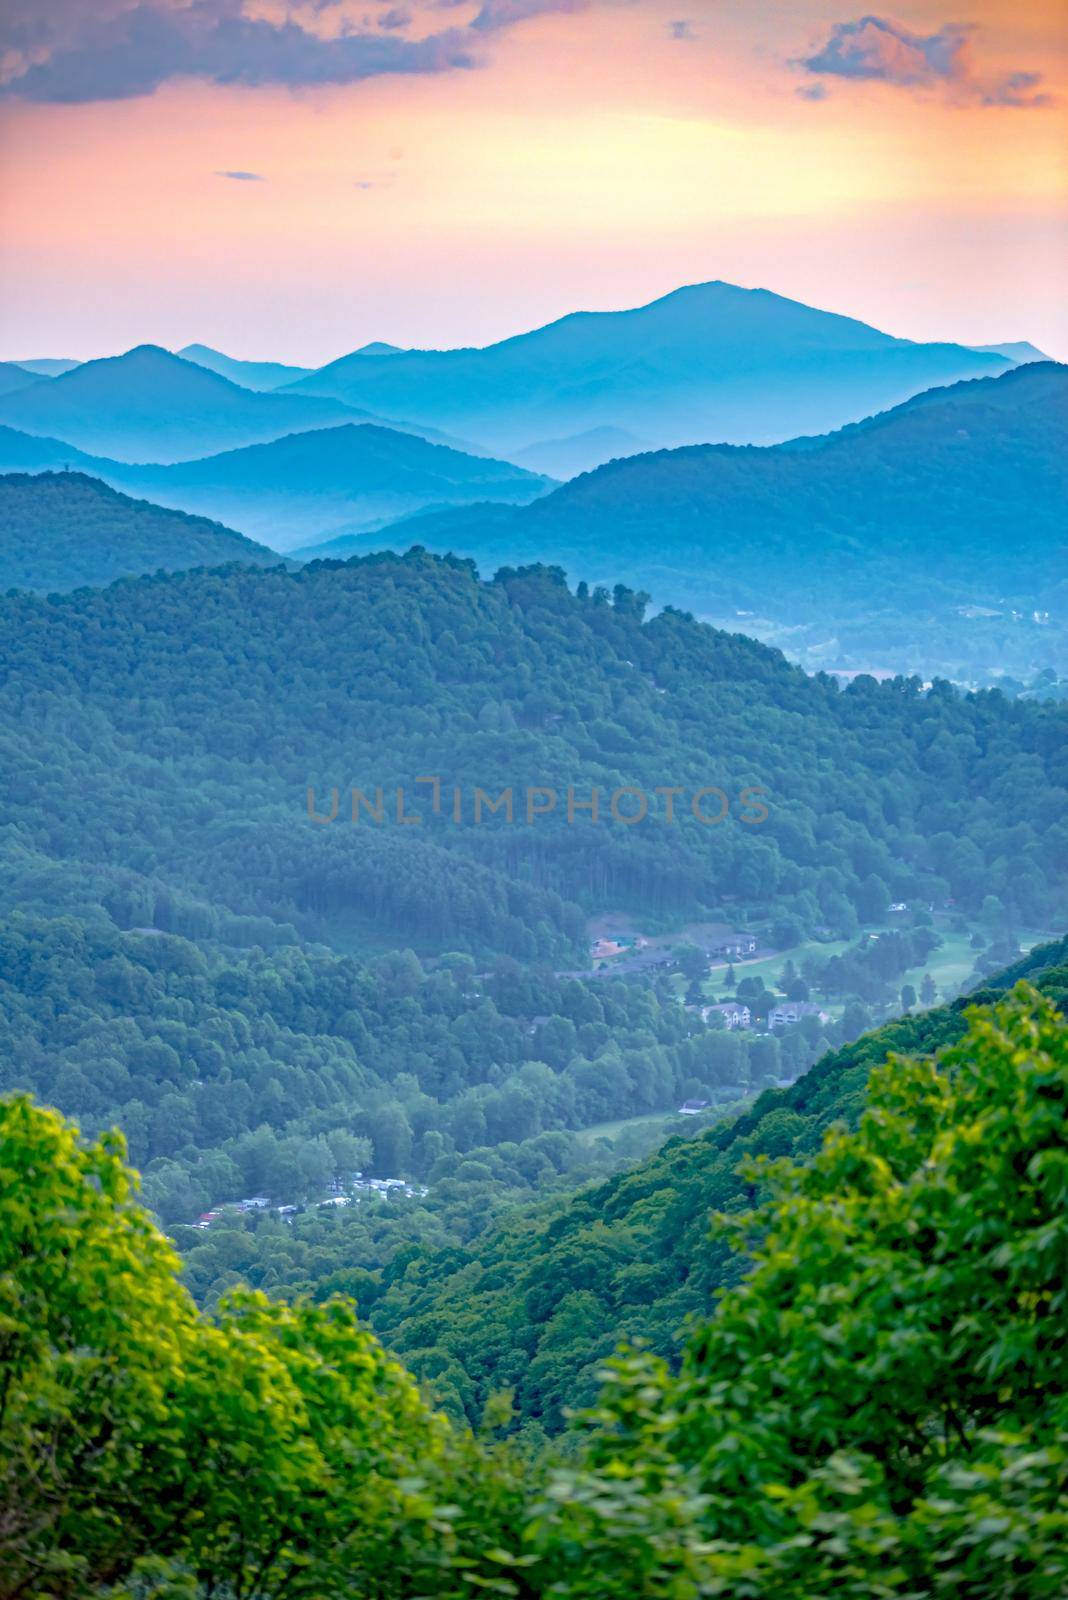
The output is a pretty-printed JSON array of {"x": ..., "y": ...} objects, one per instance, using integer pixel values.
[
  {"x": 770, "y": 968},
  {"x": 656, "y": 1124},
  {"x": 611, "y": 1130},
  {"x": 950, "y": 965}
]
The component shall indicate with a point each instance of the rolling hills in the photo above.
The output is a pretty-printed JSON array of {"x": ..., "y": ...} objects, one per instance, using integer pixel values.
[
  {"x": 538, "y": 1306},
  {"x": 303, "y": 484},
  {"x": 149, "y": 405},
  {"x": 876, "y": 1409},
  {"x": 258, "y": 375},
  {"x": 15, "y": 379},
  {"x": 352, "y": 476},
  {"x": 708, "y": 362},
  {"x": 921, "y": 539},
  {"x": 60, "y": 531},
  {"x": 253, "y": 685},
  {"x": 47, "y": 366},
  {"x": 582, "y": 452}
]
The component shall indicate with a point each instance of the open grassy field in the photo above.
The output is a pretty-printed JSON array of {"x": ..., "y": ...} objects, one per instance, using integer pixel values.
[{"x": 651, "y": 1130}]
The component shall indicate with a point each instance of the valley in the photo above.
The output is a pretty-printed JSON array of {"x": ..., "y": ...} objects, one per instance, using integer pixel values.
[{"x": 519, "y": 964}]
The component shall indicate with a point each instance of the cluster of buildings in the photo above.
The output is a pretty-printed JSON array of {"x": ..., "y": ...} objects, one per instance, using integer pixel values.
[
  {"x": 736, "y": 1014},
  {"x": 344, "y": 1193},
  {"x": 732, "y": 947},
  {"x": 256, "y": 1202},
  {"x": 604, "y": 949}
]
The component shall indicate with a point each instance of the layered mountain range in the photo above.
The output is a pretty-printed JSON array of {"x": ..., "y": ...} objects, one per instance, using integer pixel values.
[
  {"x": 864, "y": 501},
  {"x": 707, "y": 363},
  {"x": 930, "y": 536}
]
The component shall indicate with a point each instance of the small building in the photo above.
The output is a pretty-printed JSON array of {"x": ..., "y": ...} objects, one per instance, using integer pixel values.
[
  {"x": 733, "y": 1012},
  {"x": 693, "y": 1108},
  {"x": 786, "y": 1012},
  {"x": 736, "y": 947}
]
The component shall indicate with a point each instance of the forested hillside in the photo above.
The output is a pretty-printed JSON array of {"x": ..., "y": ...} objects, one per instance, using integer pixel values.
[
  {"x": 927, "y": 539},
  {"x": 537, "y": 1307},
  {"x": 216, "y": 700},
  {"x": 64, "y": 530},
  {"x": 302, "y": 485},
  {"x": 876, "y": 1410},
  {"x": 278, "y": 1072}
]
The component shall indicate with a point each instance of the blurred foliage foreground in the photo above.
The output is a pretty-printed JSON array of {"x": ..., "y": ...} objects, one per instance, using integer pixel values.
[{"x": 878, "y": 1409}]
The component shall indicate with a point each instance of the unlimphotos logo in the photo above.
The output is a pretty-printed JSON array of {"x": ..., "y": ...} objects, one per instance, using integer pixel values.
[{"x": 528, "y": 804}]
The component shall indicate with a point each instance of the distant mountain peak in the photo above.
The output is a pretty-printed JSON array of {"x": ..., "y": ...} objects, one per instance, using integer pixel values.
[
  {"x": 260, "y": 377},
  {"x": 1020, "y": 350},
  {"x": 706, "y": 362}
]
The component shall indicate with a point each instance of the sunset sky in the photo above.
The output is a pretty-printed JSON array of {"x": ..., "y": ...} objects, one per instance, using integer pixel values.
[{"x": 293, "y": 180}]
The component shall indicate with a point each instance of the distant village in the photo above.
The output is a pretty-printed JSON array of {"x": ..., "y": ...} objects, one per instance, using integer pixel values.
[{"x": 343, "y": 1192}]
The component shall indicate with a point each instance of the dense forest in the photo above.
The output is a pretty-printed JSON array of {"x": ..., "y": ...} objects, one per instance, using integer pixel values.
[
  {"x": 876, "y": 1408},
  {"x": 276, "y": 1073},
  {"x": 539, "y": 1303},
  {"x": 232, "y": 799},
  {"x": 280, "y": 1073},
  {"x": 63, "y": 530},
  {"x": 176, "y": 746},
  {"x": 928, "y": 539}
]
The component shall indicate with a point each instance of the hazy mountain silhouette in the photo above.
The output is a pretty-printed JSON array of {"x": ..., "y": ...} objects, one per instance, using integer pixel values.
[
  {"x": 301, "y": 486},
  {"x": 711, "y": 362},
  {"x": 908, "y": 540},
  {"x": 349, "y": 477},
  {"x": 566, "y": 458},
  {"x": 64, "y": 530},
  {"x": 149, "y": 405},
  {"x": 1020, "y": 351},
  {"x": 257, "y": 375},
  {"x": 28, "y": 452},
  {"x": 13, "y": 378},
  {"x": 48, "y": 366}
]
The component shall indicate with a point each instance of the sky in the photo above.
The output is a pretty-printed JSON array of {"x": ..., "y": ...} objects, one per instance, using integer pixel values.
[{"x": 292, "y": 180}]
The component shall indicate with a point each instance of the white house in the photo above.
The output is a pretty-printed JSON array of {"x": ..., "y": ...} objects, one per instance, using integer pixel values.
[
  {"x": 786, "y": 1012},
  {"x": 734, "y": 1014}
]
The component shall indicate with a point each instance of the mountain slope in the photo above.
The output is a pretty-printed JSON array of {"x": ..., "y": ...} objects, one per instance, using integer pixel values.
[
  {"x": 1019, "y": 350},
  {"x": 148, "y": 405},
  {"x": 253, "y": 685},
  {"x": 343, "y": 477},
  {"x": 302, "y": 485},
  {"x": 882, "y": 544},
  {"x": 258, "y": 375},
  {"x": 14, "y": 378},
  {"x": 567, "y": 458},
  {"x": 62, "y": 530},
  {"x": 29, "y": 452},
  {"x": 540, "y": 1305},
  {"x": 879, "y": 1409},
  {"x": 48, "y": 366},
  {"x": 709, "y": 362}
]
